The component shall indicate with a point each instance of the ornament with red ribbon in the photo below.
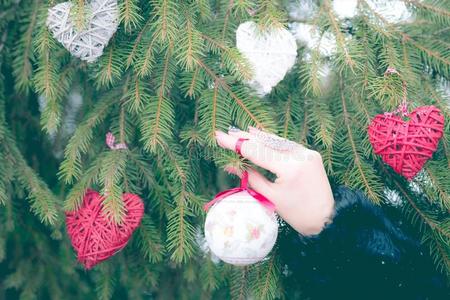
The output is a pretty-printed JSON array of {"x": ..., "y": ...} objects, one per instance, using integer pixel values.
[
  {"x": 241, "y": 226},
  {"x": 244, "y": 187}
]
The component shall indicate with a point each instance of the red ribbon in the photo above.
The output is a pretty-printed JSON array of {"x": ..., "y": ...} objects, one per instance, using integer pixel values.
[
  {"x": 111, "y": 142},
  {"x": 244, "y": 187}
]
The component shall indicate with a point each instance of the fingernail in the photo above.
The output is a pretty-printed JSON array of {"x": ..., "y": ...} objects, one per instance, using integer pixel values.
[
  {"x": 219, "y": 135},
  {"x": 233, "y": 129}
]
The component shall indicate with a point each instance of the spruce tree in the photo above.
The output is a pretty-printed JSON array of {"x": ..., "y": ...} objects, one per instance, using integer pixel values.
[{"x": 170, "y": 76}]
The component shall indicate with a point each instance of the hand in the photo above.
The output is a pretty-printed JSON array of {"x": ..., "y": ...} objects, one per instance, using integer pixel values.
[{"x": 301, "y": 193}]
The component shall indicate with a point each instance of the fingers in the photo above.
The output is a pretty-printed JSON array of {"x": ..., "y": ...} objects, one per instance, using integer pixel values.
[
  {"x": 257, "y": 182},
  {"x": 252, "y": 150}
]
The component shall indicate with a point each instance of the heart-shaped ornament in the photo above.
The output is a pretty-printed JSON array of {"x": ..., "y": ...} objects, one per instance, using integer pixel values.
[
  {"x": 86, "y": 44},
  {"x": 94, "y": 237},
  {"x": 406, "y": 145},
  {"x": 271, "y": 54}
]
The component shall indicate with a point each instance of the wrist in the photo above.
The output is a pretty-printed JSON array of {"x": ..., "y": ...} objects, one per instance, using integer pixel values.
[{"x": 323, "y": 219}]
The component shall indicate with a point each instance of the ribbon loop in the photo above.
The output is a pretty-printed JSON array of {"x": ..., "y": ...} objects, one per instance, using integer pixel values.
[
  {"x": 243, "y": 187},
  {"x": 111, "y": 142},
  {"x": 244, "y": 180}
]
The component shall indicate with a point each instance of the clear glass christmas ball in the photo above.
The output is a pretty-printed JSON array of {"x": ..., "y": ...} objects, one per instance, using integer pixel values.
[{"x": 239, "y": 230}]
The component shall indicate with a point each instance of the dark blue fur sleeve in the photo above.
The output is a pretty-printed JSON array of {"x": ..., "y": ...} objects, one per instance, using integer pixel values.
[{"x": 362, "y": 254}]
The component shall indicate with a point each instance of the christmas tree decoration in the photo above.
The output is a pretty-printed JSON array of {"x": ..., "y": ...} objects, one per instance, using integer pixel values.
[
  {"x": 85, "y": 43},
  {"x": 241, "y": 226},
  {"x": 270, "y": 53},
  {"x": 406, "y": 145},
  {"x": 240, "y": 230},
  {"x": 94, "y": 237},
  {"x": 406, "y": 140}
]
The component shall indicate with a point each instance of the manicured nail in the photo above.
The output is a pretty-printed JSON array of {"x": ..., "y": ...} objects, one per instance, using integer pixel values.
[{"x": 219, "y": 136}]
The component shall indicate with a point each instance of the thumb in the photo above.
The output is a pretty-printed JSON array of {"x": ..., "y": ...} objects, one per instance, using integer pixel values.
[{"x": 257, "y": 181}]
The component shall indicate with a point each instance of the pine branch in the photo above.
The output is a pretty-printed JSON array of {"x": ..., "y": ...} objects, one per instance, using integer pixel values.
[
  {"x": 148, "y": 179},
  {"x": 438, "y": 188},
  {"x": 310, "y": 73},
  {"x": 180, "y": 232},
  {"x": 340, "y": 39},
  {"x": 193, "y": 83},
  {"x": 231, "y": 58},
  {"x": 146, "y": 60},
  {"x": 431, "y": 57},
  {"x": 131, "y": 57},
  {"x": 265, "y": 285},
  {"x": 105, "y": 282},
  {"x": 239, "y": 101},
  {"x": 75, "y": 197},
  {"x": 137, "y": 95},
  {"x": 239, "y": 283},
  {"x": 226, "y": 19},
  {"x": 48, "y": 80},
  {"x": 443, "y": 14},
  {"x": 158, "y": 119},
  {"x": 110, "y": 67},
  {"x": 130, "y": 14},
  {"x": 166, "y": 20},
  {"x": 371, "y": 187},
  {"x": 42, "y": 201},
  {"x": 290, "y": 115},
  {"x": 156, "y": 123},
  {"x": 80, "y": 142},
  {"x": 322, "y": 123},
  {"x": 149, "y": 241},
  {"x": 111, "y": 178},
  {"x": 211, "y": 275},
  {"x": 214, "y": 113},
  {"x": 190, "y": 44},
  {"x": 23, "y": 53},
  {"x": 269, "y": 15}
]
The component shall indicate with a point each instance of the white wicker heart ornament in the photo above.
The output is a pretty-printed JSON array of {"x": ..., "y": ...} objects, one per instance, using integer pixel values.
[
  {"x": 271, "y": 54},
  {"x": 86, "y": 44}
]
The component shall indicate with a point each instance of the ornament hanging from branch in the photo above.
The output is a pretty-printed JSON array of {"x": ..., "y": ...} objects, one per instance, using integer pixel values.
[
  {"x": 406, "y": 140},
  {"x": 93, "y": 235},
  {"x": 85, "y": 43},
  {"x": 241, "y": 226},
  {"x": 271, "y": 54}
]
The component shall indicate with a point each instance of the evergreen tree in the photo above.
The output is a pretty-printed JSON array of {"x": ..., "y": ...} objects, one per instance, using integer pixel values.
[{"x": 170, "y": 76}]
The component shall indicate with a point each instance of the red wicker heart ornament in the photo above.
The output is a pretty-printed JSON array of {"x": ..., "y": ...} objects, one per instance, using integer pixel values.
[
  {"x": 407, "y": 145},
  {"x": 94, "y": 237}
]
